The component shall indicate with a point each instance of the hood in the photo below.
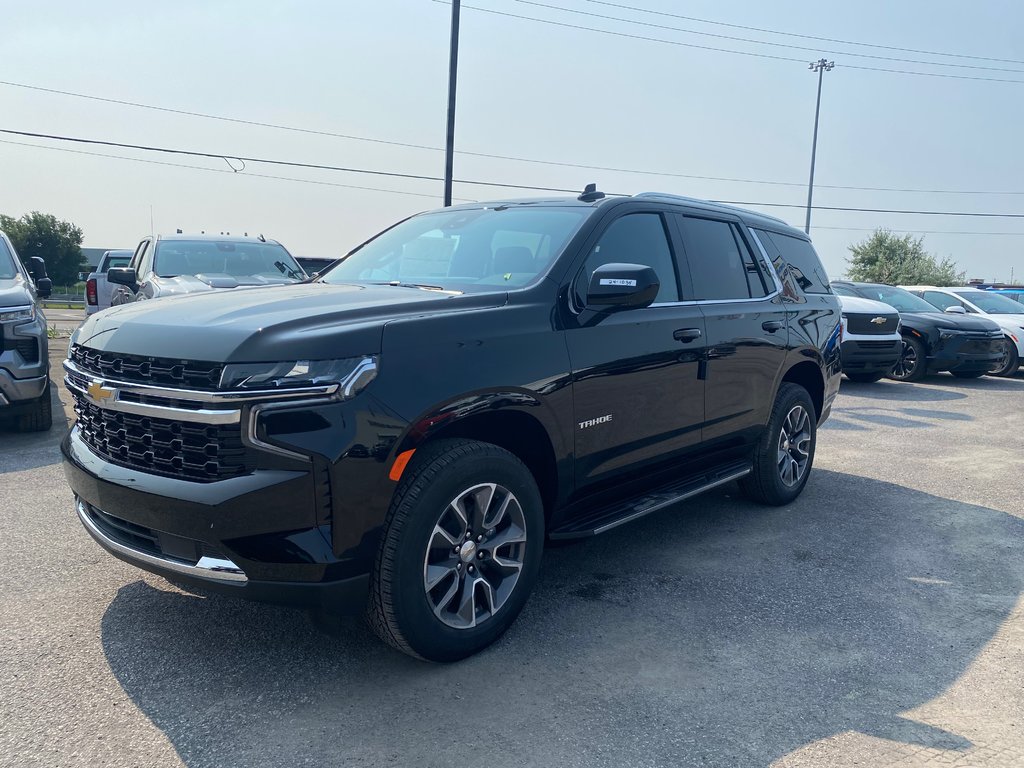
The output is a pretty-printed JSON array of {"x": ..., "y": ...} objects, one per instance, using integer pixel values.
[
  {"x": 939, "y": 319},
  {"x": 14, "y": 292},
  {"x": 302, "y": 321},
  {"x": 176, "y": 286},
  {"x": 857, "y": 305}
]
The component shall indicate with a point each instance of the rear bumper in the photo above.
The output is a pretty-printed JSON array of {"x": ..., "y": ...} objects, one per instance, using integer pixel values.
[{"x": 870, "y": 356}]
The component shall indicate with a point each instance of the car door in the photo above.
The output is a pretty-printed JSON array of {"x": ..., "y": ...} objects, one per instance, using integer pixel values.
[
  {"x": 745, "y": 320},
  {"x": 637, "y": 394}
]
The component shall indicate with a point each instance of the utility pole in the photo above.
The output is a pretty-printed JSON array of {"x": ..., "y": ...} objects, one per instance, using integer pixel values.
[
  {"x": 821, "y": 66},
  {"x": 453, "y": 68}
]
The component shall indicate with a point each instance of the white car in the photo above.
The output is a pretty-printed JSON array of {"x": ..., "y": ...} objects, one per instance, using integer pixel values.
[
  {"x": 1005, "y": 312},
  {"x": 872, "y": 344}
]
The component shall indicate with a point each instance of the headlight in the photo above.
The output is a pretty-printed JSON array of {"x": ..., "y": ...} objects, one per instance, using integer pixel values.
[
  {"x": 18, "y": 315},
  {"x": 950, "y": 334},
  {"x": 351, "y": 374}
]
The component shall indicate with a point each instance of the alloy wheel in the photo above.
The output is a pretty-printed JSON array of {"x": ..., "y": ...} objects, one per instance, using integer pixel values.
[
  {"x": 475, "y": 555},
  {"x": 907, "y": 363},
  {"x": 794, "y": 445}
]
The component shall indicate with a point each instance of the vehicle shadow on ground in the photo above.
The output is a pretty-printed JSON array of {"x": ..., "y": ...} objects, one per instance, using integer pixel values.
[
  {"x": 716, "y": 633},
  {"x": 921, "y": 392},
  {"x": 29, "y": 450}
]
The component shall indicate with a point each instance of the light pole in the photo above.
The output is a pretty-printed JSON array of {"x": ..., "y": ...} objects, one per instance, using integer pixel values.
[
  {"x": 821, "y": 66},
  {"x": 453, "y": 67}
]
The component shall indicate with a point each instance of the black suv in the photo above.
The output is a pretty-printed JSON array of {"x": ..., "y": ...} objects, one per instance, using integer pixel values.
[
  {"x": 933, "y": 340},
  {"x": 412, "y": 425},
  {"x": 24, "y": 355}
]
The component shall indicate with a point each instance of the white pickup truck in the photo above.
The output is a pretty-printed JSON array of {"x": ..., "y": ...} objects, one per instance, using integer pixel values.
[{"x": 97, "y": 289}]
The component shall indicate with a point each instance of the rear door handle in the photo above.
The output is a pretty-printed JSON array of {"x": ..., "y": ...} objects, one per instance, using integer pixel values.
[
  {"x": 771, "y": 325},
  {"x": 686, "y": 335}
]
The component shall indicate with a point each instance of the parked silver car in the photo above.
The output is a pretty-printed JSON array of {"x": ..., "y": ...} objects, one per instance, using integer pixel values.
[{"x": 169, "y": 265}]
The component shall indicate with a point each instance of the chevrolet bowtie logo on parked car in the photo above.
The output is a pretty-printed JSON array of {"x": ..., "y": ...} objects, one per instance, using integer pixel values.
[
  {"x": 878, "y": 320},
  {"x": 98, "y": 392}
]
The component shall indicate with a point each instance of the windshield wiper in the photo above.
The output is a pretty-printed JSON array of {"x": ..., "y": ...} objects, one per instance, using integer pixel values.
[
  {"x": 286, "y": 270},
  {"x": 424, "y": 286}
]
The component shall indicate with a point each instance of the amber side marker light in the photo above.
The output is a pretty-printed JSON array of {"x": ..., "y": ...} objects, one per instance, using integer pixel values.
[{"x": 400, "y": 464}]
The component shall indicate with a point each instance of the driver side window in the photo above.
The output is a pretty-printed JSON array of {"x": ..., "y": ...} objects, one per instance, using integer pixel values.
[{"x": 636, "y": 238}]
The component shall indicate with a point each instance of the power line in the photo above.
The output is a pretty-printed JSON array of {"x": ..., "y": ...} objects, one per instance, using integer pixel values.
[
  {"x": 318, "y": 166},
  {"x": 644, "y": 38},
  {"x": 804, "y": 37},
  {"x": 513, "y": 158},
  {"x": 817, "y": 50},
  {"x": 226, "y": 170},
  {"x": 923, "y": 231}
]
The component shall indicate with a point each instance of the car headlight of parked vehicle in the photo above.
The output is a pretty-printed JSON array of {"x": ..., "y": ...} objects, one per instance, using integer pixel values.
[
  {"x": 18, "y": 315},
  {"x": 351, "y": 374},
  {"x": 950, "y": 334}
]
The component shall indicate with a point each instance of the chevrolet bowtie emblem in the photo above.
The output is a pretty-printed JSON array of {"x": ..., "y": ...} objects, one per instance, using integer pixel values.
[
  {"x": 98, "y": 392},
  {"x": 878, "y": 320}
]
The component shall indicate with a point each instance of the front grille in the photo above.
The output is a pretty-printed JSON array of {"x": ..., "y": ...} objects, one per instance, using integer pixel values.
[
  {"x": 181, "y": 449},
  {"x": 863, "y": 325},
  {"x": 154, "y": 371},
  {"x": 28, "y": 348},
  {"x": 888, "y": 344},
  {"x": 981, "y": 344}
]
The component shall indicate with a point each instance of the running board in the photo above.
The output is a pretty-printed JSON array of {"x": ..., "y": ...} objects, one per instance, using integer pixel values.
[{"x": 606, "y": 518}]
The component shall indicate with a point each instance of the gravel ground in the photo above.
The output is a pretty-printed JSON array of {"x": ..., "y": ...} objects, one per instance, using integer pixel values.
[{"x": 877, "y": 621}]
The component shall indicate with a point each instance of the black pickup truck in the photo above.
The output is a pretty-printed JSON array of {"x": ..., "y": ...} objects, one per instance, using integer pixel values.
[{"x": 404, "y": 433}]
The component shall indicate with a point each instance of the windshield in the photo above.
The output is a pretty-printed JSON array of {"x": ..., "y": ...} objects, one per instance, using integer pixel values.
[
  {"x": 118, "y": 261},
  {"x": 902, "y": 300},
  {"x": 992, "y": 303},
  {"x": 213, "y": 257},
  {"x": 464, "y": 249},
  {"x": 8, "y": 270}
]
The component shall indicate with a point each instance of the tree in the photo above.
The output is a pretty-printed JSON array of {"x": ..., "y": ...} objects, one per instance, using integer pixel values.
[
  {"x": 886, "y": 258},
  {"x": 58, "y": 242}
]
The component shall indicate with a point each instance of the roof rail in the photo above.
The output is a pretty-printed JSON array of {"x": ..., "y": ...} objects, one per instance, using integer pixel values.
[{"x": 684, "y": 199}]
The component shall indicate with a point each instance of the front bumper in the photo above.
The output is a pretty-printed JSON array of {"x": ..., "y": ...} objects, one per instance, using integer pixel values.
[
  {"x": 256, "y": 536},
  {"x": 870, "y": 356},
  {"x": 967, "y": 352}
]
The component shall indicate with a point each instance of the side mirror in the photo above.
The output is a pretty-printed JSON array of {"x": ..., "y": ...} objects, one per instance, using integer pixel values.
[
  {"x": 122, "y": 276},
  {"x": 955, "y": 310},
  {"x": 44, "y": 287},
  {"x": 623, "y": 285},
  {"x": 36, "y": 267}
]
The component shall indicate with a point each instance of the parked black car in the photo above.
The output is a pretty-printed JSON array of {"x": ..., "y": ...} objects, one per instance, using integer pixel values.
[
  {"x": 24, "y": 354},
  {"x": 174, "y": 265},
  {"x": 412, "y": 426},
  {"x": 933, "y": 341}
]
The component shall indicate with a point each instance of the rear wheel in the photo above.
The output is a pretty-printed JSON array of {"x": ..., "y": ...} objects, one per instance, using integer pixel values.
[
  {"x": 913, "y": 362},
  {"x": 865, "y": 378},
  {"x": 39, "y": 416},
  {"x": 461, "y": 551},
  {"x": 785, "y": 453},
  {"x": 1010, "y": 361}
]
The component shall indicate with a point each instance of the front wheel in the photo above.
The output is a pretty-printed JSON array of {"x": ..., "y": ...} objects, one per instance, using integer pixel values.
[
  {"x": 785, "y": 453},
  {"x": 461, "y": 551},
  {"x": 1010, "y": 361},
  {"x": 913, "y": 362},
  {"x": 39, "y": 416}
]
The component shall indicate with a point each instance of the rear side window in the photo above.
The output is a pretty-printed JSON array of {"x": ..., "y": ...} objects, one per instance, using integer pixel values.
[
  {"x": 942, "y": 300},
  {"x": 636, "y": 238},
  {"x": 799, "y": 254},
  {"x": 721, "y": 265}
]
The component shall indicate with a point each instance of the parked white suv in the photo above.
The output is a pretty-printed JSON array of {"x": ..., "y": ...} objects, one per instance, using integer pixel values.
[
  {"x": 1005, "y": 312},
  {"x": 872, "y": 344}
]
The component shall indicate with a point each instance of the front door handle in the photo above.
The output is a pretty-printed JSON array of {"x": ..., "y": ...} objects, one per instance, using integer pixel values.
[
  {"x": 686, "y": 335},
  {"x": 772, "y": 325}
]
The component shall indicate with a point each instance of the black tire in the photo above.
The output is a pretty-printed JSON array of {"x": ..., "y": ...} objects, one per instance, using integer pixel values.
[
  {"x": 400, "y": 607},
  {"x": 39, "y": 416},
  {"x": 765, "y": 483},
  {"x": 1010, "y": 362},
  {"x": 865, "y": 378},
  {"x": 913, "y": 364},
  {"x": 968, "y": 374}
]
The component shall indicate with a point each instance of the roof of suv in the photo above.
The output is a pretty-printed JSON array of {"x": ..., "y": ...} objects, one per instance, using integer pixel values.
[
  {"x": 217, "y": 238},
  {"x": 750, "y": 218}
]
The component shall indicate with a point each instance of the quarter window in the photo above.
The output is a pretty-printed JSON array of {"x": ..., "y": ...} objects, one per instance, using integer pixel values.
[
  {"x": 721, "y": 265},
  {"x": 804, "y": 264},
  {"x": 637, "y": 238}
]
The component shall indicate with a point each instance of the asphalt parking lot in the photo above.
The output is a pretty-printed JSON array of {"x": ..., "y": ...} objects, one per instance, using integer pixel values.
[{"x": 877, "y": 621}]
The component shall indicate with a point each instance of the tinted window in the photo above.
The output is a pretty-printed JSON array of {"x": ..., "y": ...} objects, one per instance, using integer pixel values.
[
  {"x": 7, "y": 268},
  {"x": 637, "y": 238},
  {"x": 721, "y": 267},
  {"x": 901, "y": 299},
  {"x": 842, "y": 290},
  {"x": 465, "y": 249},
  {"x": 804, "y": 263},
  {"x": 216, "y": 257},
  {"x": 992, "y": 303},
  {"x": 942, "y": 300}
]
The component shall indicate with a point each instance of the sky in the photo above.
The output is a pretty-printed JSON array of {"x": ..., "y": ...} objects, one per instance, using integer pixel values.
[{"x": 378, "y": 70}]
